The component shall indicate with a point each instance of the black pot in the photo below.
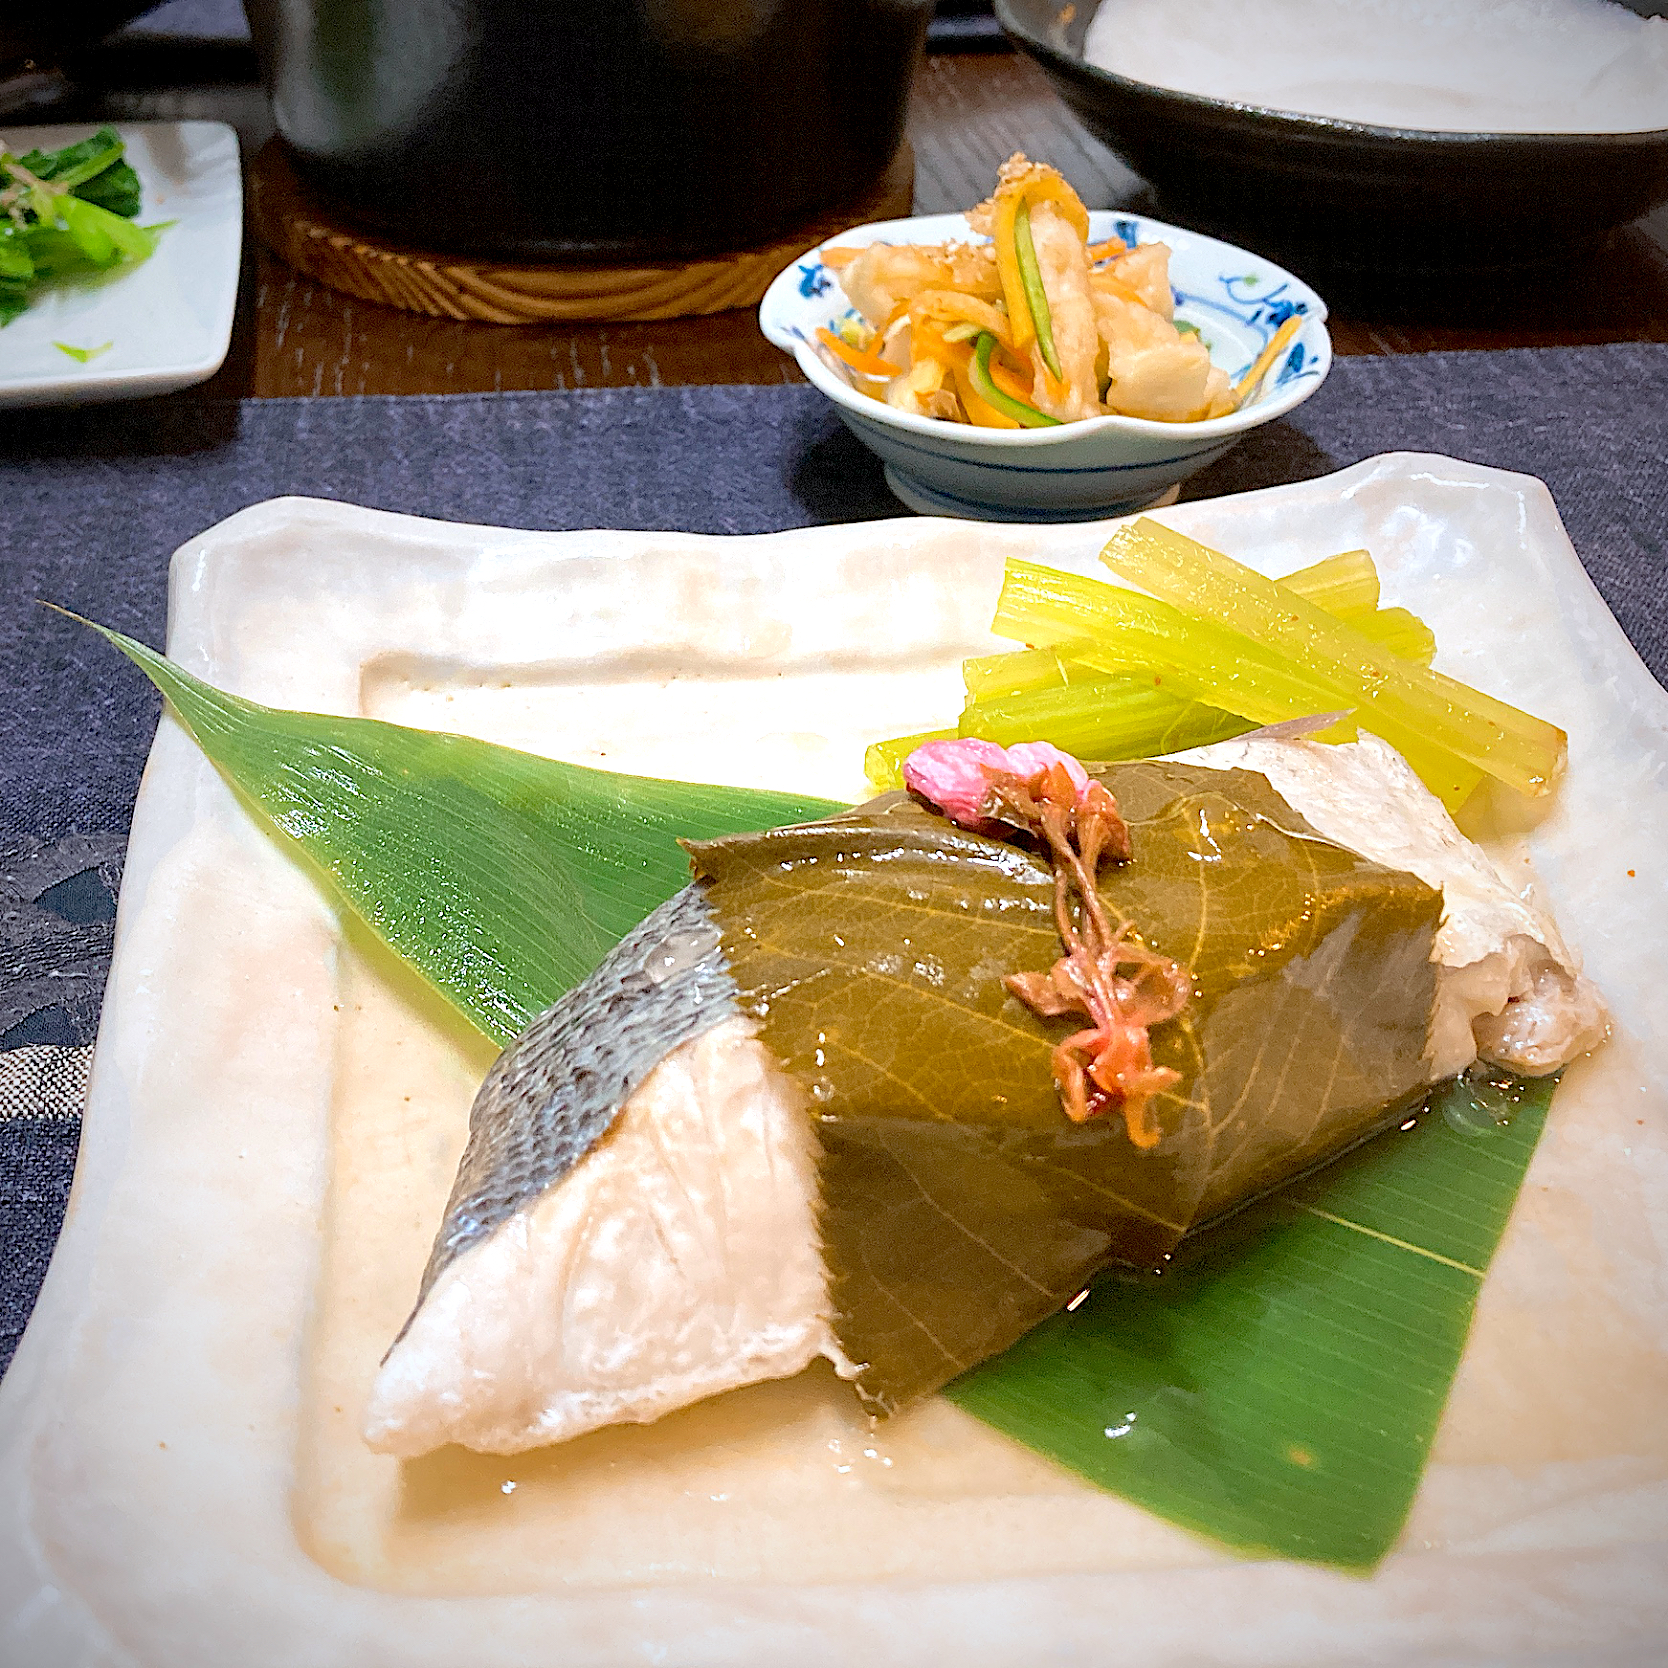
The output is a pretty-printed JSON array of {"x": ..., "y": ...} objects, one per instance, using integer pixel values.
[
  {"x": 600, "y": 129},
  {"x": 1338, "y": 200}
]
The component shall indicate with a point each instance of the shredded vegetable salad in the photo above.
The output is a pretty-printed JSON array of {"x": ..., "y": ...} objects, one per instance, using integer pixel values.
[{"x": 1035, "y": 327}]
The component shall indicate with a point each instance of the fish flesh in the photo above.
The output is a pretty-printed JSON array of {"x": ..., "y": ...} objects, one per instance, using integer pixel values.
[
  {"x": 577, "y": 1283},
  {"x": 1508, "y": 988},
  {"x": 634, "y": 1224}
]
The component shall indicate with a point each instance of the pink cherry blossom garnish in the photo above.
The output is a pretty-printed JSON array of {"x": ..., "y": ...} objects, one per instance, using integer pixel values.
[
  {"x": 1122, "y": 986},
  {"x": 955, "y": 776}
]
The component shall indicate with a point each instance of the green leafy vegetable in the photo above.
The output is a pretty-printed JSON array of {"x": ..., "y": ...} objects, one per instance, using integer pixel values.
[
  {"x": 94, "y": 168},
  {"x": 81, "y": 354},
  {"x": 67, "y": 213},
  {"x": 960, "y": 1206}
]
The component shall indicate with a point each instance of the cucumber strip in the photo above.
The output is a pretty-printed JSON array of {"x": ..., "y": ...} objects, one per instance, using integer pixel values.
[{"x": 1036, "y": 297}]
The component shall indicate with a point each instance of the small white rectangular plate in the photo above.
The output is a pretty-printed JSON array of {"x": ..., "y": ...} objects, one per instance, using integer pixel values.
[
  {"x": 169, "y": 320},
  {"x": 180, "y": 1484}
]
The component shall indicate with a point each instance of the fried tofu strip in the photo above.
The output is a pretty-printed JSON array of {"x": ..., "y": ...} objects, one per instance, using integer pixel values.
[
  {"x": 1153, "y": 371},
  {"x": 1063, "y": 262},
  {"x": 884, "y": 278}
]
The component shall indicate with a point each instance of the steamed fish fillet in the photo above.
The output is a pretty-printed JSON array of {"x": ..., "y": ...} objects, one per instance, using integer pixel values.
[
  {"x": 571, "y": 1289},
  {"x": 634, "y": 1223}
]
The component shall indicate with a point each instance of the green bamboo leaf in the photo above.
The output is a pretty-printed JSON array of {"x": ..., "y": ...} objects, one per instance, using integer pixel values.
[
  {"x": 501, "y": 877},
  {"x": 1281, "y": 1393}
]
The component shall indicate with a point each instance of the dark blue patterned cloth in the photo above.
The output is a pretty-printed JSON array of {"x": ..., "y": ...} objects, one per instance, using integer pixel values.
[{"x": 95, "y": 500}]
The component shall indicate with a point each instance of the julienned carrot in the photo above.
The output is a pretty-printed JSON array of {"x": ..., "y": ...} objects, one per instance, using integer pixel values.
[
  {"x": 1264, "y": 362},
  {"x": 1052, "y": 188},
  {"x": 1114, "y": 285},
  {"x": 980, "y": 411},
  {"x": 1007, "y": 380},
  {"x": 869, "y": 364},
  {"x": 1020, "y": 328},
  {"x": 930, "y": 343},
  {"x": 1020, "y": 413},
  {"x": 1005, "y": 234},
  {"x": 898, "y": 311},
  {"x": 1098, "y": 252}
]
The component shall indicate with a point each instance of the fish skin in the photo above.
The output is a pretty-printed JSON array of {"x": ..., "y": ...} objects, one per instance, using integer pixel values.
[{"x": 558, "y": 1088}]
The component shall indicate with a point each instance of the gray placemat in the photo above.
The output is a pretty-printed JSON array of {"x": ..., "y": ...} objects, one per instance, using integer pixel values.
[{"x": 95, "y": 500}]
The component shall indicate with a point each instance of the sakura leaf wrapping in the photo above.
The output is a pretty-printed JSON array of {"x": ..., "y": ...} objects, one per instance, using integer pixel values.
[{"x": 960, "y": 1206}]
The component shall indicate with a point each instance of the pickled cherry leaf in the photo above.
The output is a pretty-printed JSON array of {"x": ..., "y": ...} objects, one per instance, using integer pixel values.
[{"x": 960, "y": 1206}]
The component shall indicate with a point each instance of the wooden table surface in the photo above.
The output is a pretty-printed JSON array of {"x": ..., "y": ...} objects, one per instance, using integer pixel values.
[{"x": 969, "y": 111}]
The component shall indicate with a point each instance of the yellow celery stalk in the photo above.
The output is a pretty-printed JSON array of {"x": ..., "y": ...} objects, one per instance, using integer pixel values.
[
  {"x": 1405, "y": 703},
  {"x": 1204, "y": 660},
  {"x": 1451, "y": 779},
  {"x": 883, "y": 761},
  {"x": 1118, "y": 718},
  {"x": 1020, "y": 671},
  {"x": 1405, "y": 635},
  {"x": 1346, "y": 586},
  {"x": 1128, "y": 632},
  {"x": 1112, "y": 710}
]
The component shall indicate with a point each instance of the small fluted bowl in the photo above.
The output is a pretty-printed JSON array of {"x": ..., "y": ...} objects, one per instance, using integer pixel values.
[{"x": 1079, "y": 471}]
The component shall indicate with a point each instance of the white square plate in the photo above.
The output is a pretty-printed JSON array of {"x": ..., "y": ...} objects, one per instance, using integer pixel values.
[
  {"x": 271, "y": 1124},
  {"x": 169, "y": 320}
]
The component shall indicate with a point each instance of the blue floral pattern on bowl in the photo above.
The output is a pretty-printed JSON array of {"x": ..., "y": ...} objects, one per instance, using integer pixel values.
[{"x": 1106, "y": 465}]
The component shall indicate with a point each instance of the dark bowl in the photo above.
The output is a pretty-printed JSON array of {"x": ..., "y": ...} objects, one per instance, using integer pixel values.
[
  {"x": 589, "y": 129},
  {"x": 1338, "y": 200}
]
